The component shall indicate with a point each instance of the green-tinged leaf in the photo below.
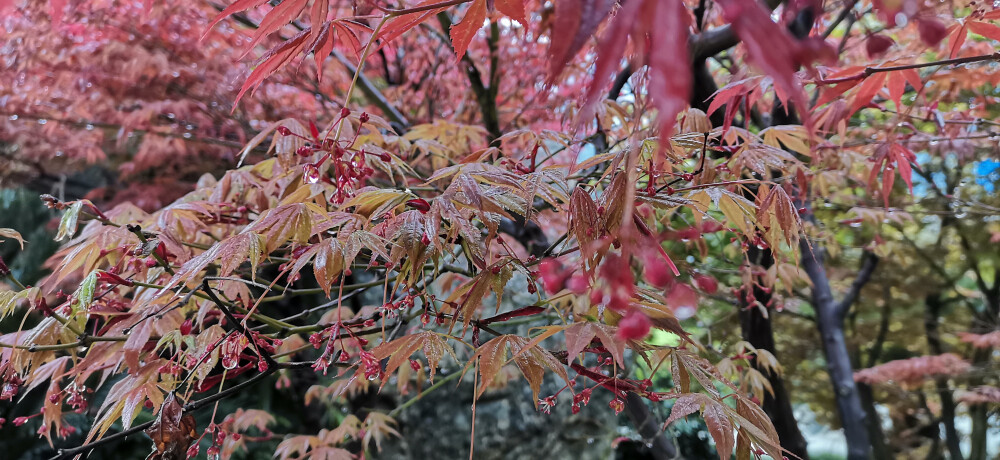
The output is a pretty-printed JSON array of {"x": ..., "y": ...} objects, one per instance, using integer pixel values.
[{"x": 67, "y": 226}]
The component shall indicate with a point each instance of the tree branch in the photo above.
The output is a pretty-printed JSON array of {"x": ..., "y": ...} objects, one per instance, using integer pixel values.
[
  {"x": 485, "y": 96},
  {"x": 868, "y": 263},
  {"x": 238, "y": 325},
  {"x": 63, "y": 454},
  {"x": 868, "y": 71}
]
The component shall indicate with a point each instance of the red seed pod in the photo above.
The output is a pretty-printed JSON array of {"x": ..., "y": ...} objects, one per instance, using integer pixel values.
[
  {"x": 706, "y": 283},
  {"x": 634, "y": 326},
  {"x": 363, "y": 117},
  {"x": 345, "y": 112},
  {"x": 617, "y": 405},
  {"x": 310, "y": 174},
  {"x": 304, "y": 151},
  {"x": 186, "y": 327},
  {"x": 284, "y": 131},
  {"x": 419, "y": 204}
]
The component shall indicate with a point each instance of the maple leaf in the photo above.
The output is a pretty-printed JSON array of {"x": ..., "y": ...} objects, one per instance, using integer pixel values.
[
  {"x": 465, "y": 30},
  {"x": 988, "y": 340},
  {"x": 399, "y": 25},
  {"x": 233, "y": 251},
  {"x": 273, "y": 60},
  {"x": 769, "y": 47},
  {"x": 575, "y": 23},
  {"x": 11, "y": 233},
  {"x": 888, "y": 159},
  {"x": 493, "y": 278},
  {"x": 377, "y": 427},
  {"x": 777, "y": 214},
  {"x": 720, "y": 427},
  {"x": 513, "y": 9},
  {"x": 172, "y": 431},
  {"x": 662, "y": 26},
  {"x": 529, "y": 359},
  {"x": 398, "y": 351},
  {"x": 579, "y": 335},
  {"x": 913, "y": 371}
]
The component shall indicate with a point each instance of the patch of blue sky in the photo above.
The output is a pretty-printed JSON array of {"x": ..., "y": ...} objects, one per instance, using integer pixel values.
[{"x": 988, "y": 174}]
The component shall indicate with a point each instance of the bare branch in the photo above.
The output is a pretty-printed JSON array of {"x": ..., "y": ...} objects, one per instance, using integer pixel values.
[{"x": 868, "y": 263}]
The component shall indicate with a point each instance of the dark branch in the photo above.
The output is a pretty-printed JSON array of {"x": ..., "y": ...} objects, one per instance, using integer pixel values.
[
  {"x": 63, "y": 454},
  {"x": 238, "y": 325},
  {"x": 868, "y": 264}
]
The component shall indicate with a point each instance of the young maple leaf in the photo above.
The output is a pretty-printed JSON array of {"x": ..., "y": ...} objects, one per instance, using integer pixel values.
[
  {"x": 576, "y": 22},
  {"x": 660, "y": 29},
  {"x": 528, "y": 358},
  {"x": 770, "y": 47},
  {"x": 465, "y": 30}
]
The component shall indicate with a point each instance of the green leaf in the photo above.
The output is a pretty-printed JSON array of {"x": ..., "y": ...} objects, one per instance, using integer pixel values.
[
  {"x": 85, "y": 293},
  {"x": 67, "y": 226}
]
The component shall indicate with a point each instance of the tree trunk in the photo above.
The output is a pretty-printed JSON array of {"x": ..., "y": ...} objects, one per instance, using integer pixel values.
[
  {"x": 830, "y": 320},
  {"x": 648, "y": 427},
  {"x": 757, "y": 330},
  {"x": 933, "y": 303},
  {"x": 980, "y": 416},
  {"x": 880, "y": 450}
]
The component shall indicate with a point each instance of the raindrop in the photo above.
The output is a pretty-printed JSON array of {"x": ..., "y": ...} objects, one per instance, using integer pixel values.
[
  {"x": 175, "y": 74},
  {"x": 187, "y": 135},
  {"x": 42, "y": 121},
  {"x": 13, "y": 117},
  {"x": 189, "y": 127},
  {"x": 311, "y": 174},
  {"x": 89, "y": 127}
]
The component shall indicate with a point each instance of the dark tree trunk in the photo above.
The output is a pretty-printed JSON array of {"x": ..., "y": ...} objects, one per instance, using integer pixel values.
[
  {"x": 648, "y": 427},
  {"x": 880, "y": 449},
  {"x": 757, "y": 330},
  {"x": 952, "y": 439},
  {"x": 830, "y": 320},
  {"x": 983, "y": 323}
]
